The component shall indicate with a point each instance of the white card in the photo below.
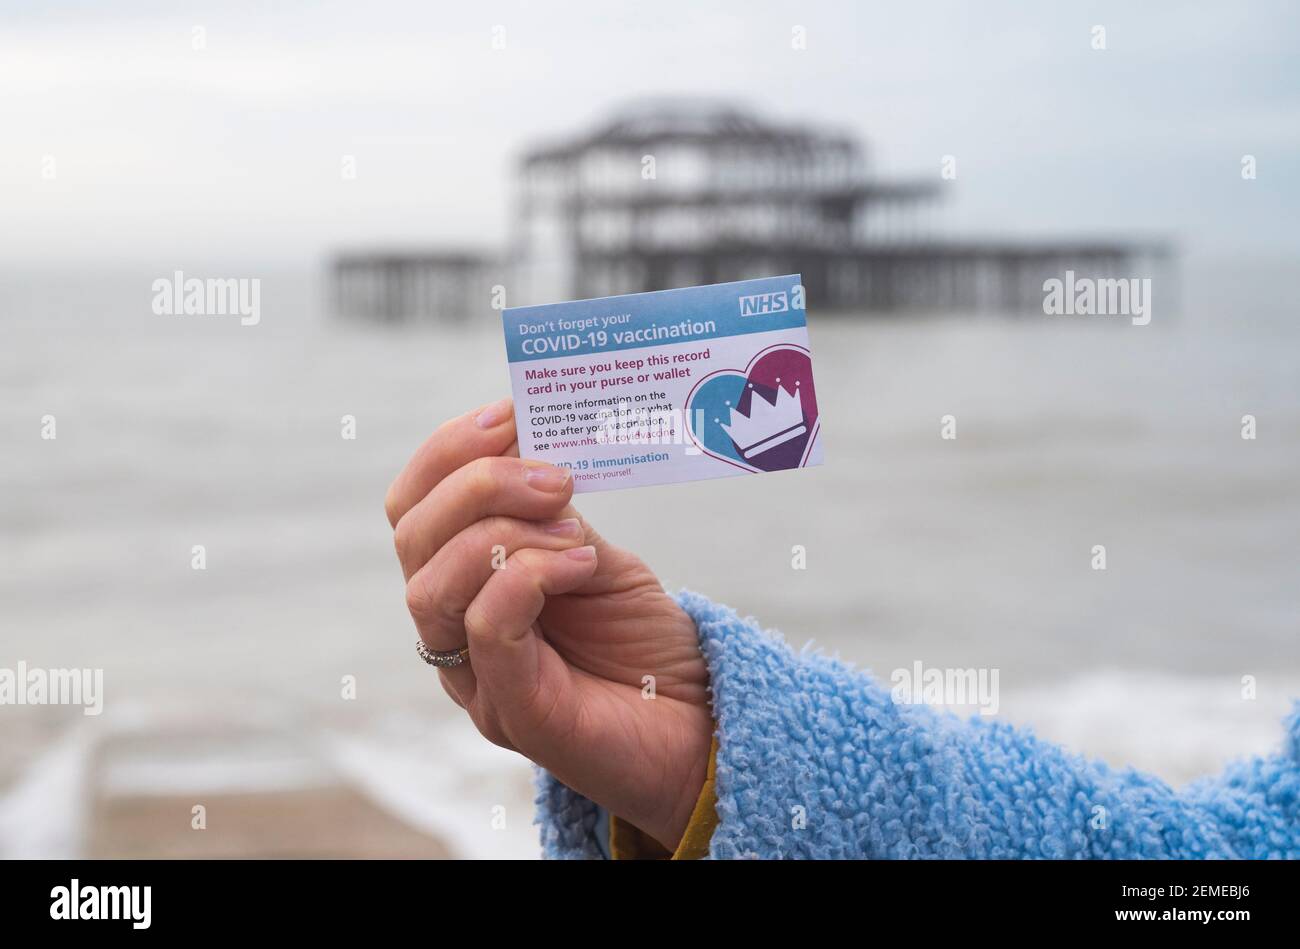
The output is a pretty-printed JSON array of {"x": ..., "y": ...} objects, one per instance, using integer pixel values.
[{"x": 673, "y": 385}]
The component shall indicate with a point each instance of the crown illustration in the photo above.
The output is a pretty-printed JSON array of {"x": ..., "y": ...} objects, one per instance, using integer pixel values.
[{"x": 767, "y": 424}]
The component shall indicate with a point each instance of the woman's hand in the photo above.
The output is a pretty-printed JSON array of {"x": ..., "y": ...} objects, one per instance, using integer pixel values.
[{"x": 563, "y": 628}]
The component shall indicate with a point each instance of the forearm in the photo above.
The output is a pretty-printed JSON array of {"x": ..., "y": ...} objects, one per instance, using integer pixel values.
[{"x": 816, "y": 760}]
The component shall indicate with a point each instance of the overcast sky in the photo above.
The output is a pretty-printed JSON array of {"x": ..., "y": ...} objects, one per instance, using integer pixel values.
[{"x": 165, "y": 151}]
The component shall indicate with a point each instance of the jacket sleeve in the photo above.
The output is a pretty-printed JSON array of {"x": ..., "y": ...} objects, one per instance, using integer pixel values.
[{"x": 815, "y": 760}]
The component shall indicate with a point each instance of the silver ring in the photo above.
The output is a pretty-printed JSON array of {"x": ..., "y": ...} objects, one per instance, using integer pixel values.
[{"x": 443, "y": 660}]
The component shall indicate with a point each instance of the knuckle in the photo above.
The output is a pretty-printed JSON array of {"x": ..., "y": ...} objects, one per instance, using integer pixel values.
[
  {"x": 495, "y": 529},
  {"x": 487, "y": 477},
  {"x": 480, "y": 478},
  {"x": 392, "y": 509},
  {"x": 494, "y": 532},
  {"x": 477, "y": 625},
  {"x": 419, "y": 600},
  {"x": 402, "y": 539},
  {"x": 528, "y": 560},
  {"x": 427, "y": 604}
]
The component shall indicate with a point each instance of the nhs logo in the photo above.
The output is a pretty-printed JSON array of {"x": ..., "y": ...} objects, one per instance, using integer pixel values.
[{"x": 760, "y": 303}]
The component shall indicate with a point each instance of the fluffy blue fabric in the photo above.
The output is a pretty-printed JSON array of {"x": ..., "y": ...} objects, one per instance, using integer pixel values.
[{"x": 815, "y": 760}]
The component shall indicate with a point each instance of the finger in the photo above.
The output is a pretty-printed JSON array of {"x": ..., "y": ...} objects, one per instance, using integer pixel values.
[
  {"x": 488, "y": 430},
  {"x": 609, "y": 558},
  {"x": 508, "y": 658},
  {"x": 440, "y": 592},
  {"x": 486, "y": 486}
]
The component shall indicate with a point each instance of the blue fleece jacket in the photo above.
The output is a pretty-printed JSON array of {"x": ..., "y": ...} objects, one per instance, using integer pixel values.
[{"x": 815, "y": 760}]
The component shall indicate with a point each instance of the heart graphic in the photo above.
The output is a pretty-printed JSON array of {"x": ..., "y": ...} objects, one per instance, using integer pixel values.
[{"x": 762, "y": 418}]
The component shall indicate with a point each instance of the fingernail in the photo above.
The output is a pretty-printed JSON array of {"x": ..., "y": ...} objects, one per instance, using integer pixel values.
[
  {"x": 493, "y": 415},
  {"x": 547, "y": 478},
  {"x": 569, "y": 527},
  {"x": 585, "y": 554}
]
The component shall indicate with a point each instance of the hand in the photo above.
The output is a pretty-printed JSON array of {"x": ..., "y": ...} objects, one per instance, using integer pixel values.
[{"x": 562, "y": 636}]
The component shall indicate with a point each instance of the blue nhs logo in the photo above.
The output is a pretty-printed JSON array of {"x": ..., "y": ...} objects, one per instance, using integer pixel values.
[{"x": 760, "y": 303}]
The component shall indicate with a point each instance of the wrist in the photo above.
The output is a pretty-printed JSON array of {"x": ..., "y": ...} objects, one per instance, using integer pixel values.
[{"x": 682, "y": 780}]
